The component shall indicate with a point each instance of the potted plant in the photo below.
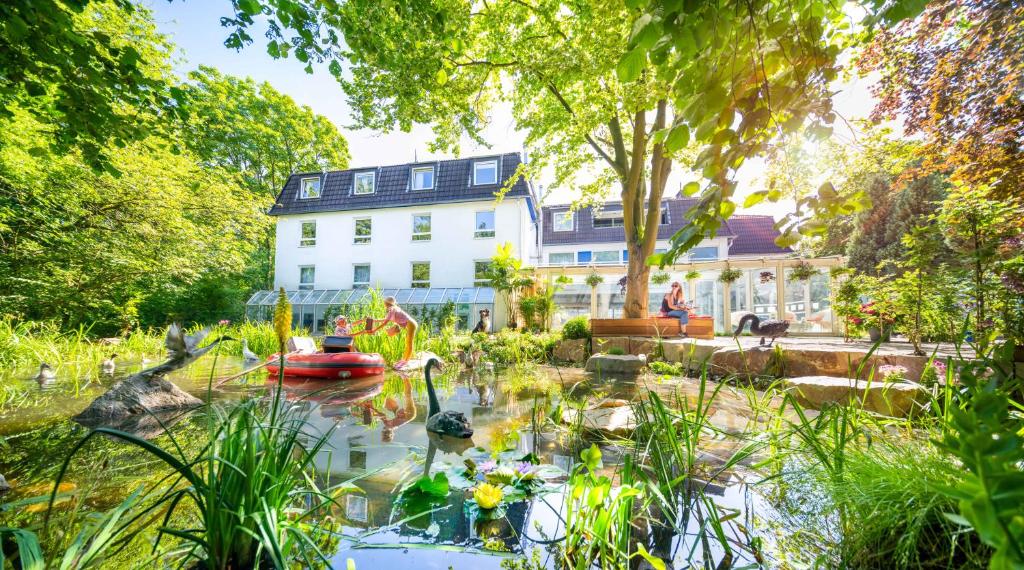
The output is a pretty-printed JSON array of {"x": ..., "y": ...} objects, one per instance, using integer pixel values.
[
  {"x": 767, "y": 277},
  {"x": 660, "y": 278},
  {"x": 877, "y": 320},
  {"x": 692, "y": 274},
  {"x": 594, "y": 280},
  {"x": 729, "y": 275},
  {"x": 803, "y": 271}
]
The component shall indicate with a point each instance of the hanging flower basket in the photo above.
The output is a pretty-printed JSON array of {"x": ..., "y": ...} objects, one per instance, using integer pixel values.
[
  {"x": 660, "y": 278},
  {"x": 767, "y": 277},
  {"x": 803, "y": 271},
  {"x": 692, "y": 275},
  {"x": 728, "y": 275}
]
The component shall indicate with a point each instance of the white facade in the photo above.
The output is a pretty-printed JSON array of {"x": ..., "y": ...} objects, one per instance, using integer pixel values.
[
  {"x": 614, "y": 253},
  {"x": 451, "y": 249}
]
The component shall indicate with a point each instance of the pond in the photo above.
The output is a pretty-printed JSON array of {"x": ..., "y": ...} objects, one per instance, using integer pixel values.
[{"x": 378, "y": 441}]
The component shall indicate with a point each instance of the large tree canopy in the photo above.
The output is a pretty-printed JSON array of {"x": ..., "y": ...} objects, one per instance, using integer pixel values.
[
  {"x": 94, "y": 70},
  {"x": 617, "y": 88},
  {"x": 955, "y": 76}
]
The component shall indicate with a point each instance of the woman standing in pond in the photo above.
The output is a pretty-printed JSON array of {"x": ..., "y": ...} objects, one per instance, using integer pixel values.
[
  {"x": 673, "y": 305},
  {"x": 402, "y": 319}
]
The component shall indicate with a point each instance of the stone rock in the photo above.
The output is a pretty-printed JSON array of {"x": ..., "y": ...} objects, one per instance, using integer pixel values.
[
  {"x": 612, "y": 364},
  {"x": 692, "y": 353},
  {"x": 810, "y": 361},
  {"x": 614, "y": 420},
  {"x": 899, "y": 399},
  {"x": 134, "y": 396},
  {"x": 4, "y": 485},
  {"x": 642, "y": 345},
  {"x": 616, "y": 343},
  {"x": 571, "y": 350}
]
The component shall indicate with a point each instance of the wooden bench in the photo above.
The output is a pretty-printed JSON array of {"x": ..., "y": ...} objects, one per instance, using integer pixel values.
[{"x": 667, "y": 327}]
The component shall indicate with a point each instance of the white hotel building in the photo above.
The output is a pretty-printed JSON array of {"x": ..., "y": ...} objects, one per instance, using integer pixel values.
[{"x": 424, "y": 232}]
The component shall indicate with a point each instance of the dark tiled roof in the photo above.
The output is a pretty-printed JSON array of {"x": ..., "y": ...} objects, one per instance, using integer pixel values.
[
  {"x": 752, "y": 235},
  {"x": 453, "y": 183},
  {"x": 755, "y": 235}
]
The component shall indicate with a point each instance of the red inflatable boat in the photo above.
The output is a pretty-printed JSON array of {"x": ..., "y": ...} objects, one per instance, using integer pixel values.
[
  {"x": 338, "y": 361},
  {"x": 329, "y": 366}
]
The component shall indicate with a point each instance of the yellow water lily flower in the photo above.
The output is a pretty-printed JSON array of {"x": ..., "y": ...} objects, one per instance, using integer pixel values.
[{"x": 487, "y": 496}]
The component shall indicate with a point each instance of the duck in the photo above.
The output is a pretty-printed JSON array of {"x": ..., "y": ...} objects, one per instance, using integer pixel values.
[
  {"x": 46, "y": 373},
  {"x": 248, "y": 355},
  {"x": 448, "y": 422},
  {"x": 770, "y": 328},
  {"x": 108, "y": 365}
]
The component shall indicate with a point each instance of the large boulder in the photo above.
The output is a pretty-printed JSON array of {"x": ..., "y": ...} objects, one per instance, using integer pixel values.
[
  {"x": 616, "y": 364},
  {"x": 610, "y": 420},
  {"x": 809, "y": 360},
  {"x": 691, "y": 352},
  {"x": 134, "y": 397},
  {"x": 897, "y": 399},
  {"x": 571, "y": 350},
  {"x": 612, "y": 343}
]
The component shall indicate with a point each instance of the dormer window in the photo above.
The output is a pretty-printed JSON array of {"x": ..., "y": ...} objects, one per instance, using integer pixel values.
[
  {"x": 423, "y": 178},
  {"x": 364, "y": 183},
  {"x": 309, "y": 188},
  {"x": 563, "y": 221},
  {"x": 485, "y": 172}
]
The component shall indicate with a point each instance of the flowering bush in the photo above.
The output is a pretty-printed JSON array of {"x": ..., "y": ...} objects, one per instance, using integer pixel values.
[
  {"x": 893, "y": 373},
  {"x": 933, "y": 373}
]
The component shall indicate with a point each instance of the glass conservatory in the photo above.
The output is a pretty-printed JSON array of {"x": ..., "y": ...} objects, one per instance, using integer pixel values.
[
  {"x": 310, "y": 307},
  {"x": 805, "y": 302}
]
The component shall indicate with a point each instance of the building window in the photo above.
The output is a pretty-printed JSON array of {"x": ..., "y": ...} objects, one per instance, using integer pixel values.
[
  {"x": 308, "y": 235},
  {"x": 563, "y": 221},
  {"x": 583, "y": 256},
  {"x": 606, "y": 257},
  {"x": 560, "y": 258},
  {"x": 704, "y": 254},
  {"x": 361, "y": 276},
  {"x": 309, "y": 188},
  {"x": 364, "y": 182},
  {"x": 421, "y": 274},
  {"x": 664, "y": 214},
  {"x": 421, "y": 227},
  {"x": 364, "y": 227},
  {"x": 423, "y": 178},
  {"x": 307, "y": 277},
  {"x": 485, "y": 172},
  {"x": 484, "y": 224},
  {"x": 612, "y": 219},
  {"x": 480, "y": 269}
]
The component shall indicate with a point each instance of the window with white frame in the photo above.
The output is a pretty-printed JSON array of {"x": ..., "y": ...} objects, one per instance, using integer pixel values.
[
  {"x": 563, "y": 221},
  {"x": 421, "y": 274},
  {"x": 480, "y": 269},
  {"x": 307, "y": 277},
  {"x": 485, "y": 172},
  {"x": 423, "y": 178},
  {"x": 484, "y": 224},
  {"x": 421, "y": 227},
  {"x": 307, "y": 237},
  {"x": 709, "y": 253},
  {"x": 364, "y": 228},
  {"x": 361, "y": 276},
  {"x": 606, "y": 219},
  {"x": 309, "y": 188},
  {"x": 606, "y": 256},
  {"x": 565, "y": 258},
  {"x": 364, "y": 183}
]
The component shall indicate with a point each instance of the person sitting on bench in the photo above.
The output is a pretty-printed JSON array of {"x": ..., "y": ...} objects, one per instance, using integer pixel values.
[{"x": 673, "y": 305}]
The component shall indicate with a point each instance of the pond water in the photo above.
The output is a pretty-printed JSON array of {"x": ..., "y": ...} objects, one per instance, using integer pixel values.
[{"x": 378, "y": 440}]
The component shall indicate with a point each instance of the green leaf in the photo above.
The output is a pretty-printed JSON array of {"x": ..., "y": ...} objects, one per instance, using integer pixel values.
[
  {"x": 250, "y": 7},
  {"x": 654, "y": 561},
  {"x": 726, "y": 208},
  {"x": 787, "y": 239},
  {"x": 631, "y": 65},
  {"x": 678, "y": 138},
  {"x": 591, "y": 457},
  {"x": 441, "y": 76},
  {"x": 691, "y": 188},
  {"x": 646, "y": 32},
  {"x": 755, "y": 198}
]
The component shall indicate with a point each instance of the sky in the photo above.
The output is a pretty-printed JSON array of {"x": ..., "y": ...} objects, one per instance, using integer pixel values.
[{"x": 194, "y": 26}]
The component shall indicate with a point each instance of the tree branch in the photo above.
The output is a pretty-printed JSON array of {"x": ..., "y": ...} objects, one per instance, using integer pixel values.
[{"x": 590, "y": 139}]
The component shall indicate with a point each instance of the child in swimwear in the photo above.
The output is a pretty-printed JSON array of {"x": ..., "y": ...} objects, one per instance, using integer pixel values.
[
  {"x": 402, "y": 319},
  {"x": 341, "y": 326}
]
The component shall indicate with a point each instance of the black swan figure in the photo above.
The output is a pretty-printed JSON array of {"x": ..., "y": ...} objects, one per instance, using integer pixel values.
[
  {"x": 448, "y": 422},
  {"x": 770, "y": 328}
]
